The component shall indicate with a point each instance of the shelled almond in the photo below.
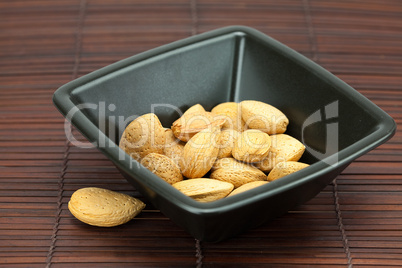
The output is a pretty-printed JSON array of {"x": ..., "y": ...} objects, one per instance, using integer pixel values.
[
  {"x": 200, "y": 153},
  {"x": 247, "y": 186},
  {"x": 203, "y": 189},
  {"x": 226, "y": 142},
  {"x": 251, "y": 146},
  {"x": 103, "y": 207},
  {"x": 143, "y": 136},
  {"x": 285, "y": 168},
  {"x": 262, "y": 116},
  {"x": 211, "y": 155},
  {"x": 231, "y": 112},
  {"x": 194, "y": 120},
  {"x": 238, "y": 177},
  {"x": 163, "y": 166},
  {"x": 283, "y": 148}
]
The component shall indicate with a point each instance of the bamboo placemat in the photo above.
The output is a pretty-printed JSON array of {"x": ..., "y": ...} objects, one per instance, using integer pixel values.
[{"x": 356, "y": 221}]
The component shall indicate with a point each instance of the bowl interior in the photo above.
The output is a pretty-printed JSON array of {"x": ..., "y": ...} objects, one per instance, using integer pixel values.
[
  {"x": 231, "y": 67},
  {"x": 166, "y": 84}
]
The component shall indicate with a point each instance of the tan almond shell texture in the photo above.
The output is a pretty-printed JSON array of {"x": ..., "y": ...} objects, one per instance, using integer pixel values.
[{"x": 102, "y": 207}]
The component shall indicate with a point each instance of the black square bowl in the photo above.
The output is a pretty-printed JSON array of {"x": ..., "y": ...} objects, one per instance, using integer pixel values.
[{"x": 334, "y": 121}]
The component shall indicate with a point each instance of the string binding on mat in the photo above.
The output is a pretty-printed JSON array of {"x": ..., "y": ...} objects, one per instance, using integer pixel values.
[
  {"x": 340, "y": 224},
  {"x": 77, "y": 59}
]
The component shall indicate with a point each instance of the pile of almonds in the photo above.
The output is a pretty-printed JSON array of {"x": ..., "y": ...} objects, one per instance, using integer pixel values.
[{"x": 239, "y": 146}]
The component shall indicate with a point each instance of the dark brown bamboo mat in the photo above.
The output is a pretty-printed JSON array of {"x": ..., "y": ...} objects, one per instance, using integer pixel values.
[{"x": 354, "y": 222}]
